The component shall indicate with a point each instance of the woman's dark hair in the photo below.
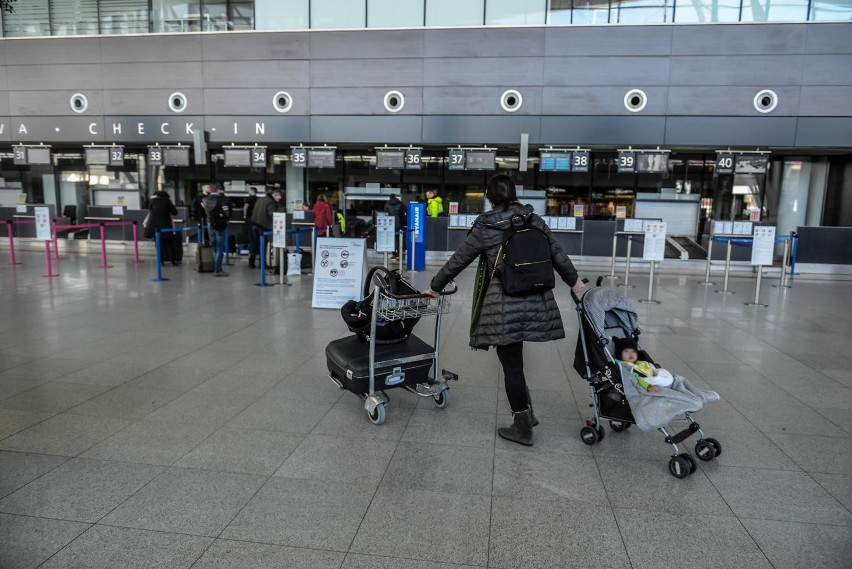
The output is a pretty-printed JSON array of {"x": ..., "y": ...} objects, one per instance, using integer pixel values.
[{"x": 500, "y": 191}]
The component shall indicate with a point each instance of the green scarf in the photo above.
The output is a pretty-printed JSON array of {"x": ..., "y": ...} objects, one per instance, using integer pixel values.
[{"x": 480, "y": 286}]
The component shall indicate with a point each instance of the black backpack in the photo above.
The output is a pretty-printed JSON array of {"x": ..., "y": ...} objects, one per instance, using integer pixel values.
[
  {"x": 524, "y": 259},
  {"x": 219, "y": 217}
]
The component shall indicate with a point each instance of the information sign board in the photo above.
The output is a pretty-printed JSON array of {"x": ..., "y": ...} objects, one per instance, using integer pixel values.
[
  {"x": 652, "y": 162},
  {"x": 385, "y": 233},
  {"x": 279, "y": 230},
  {"x": 390, "y": 158},
  {"x": 633, "y": 225},
  {"x": 97, "y": 156},
  {"x": 237, "y": 157},
  {"x": 116, "y": 156},
  {"x": 38, "y": 155},
  {"x": 480, "y": 160},
  {"x": 258, "y": 157},
  {"x": 763, "y": 246},
  {"x": 724, "y": 163},
  {"x": 655, "y": 241},
  {"x": 751, "y": 164},
  {"x": 299, "y": 157},
  {"x": 21, "y": 208},
  {"x": 554, "y": 161},
  {"x": 176, "y": 155},
  {"x": 455, "y": 159},
  {"x": 321, "y": 157},
  {"x": 413, "y": 159},
  {"x": 579, "y": 210},
  {"x": 626, "y": 162},
  {"x": 581, "y": 161},
  {"x": 339, "y": 271},
  {"x": 42, "y": 223},
  {"x": 155, "y": 156}
]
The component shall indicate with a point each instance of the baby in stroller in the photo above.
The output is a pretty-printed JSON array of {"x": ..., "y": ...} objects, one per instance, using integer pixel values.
[{"x": 628, "y": 387}]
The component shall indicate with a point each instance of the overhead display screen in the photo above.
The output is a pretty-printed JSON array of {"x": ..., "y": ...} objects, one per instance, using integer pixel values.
[
  {"x": 652, "y": 162},
  {"x": 237, "y": 157},
  {"x": 321, "y": 157},
  {"x": 746, "y": 163},
  {"x": 555, "y": 161},
  {"x": 480, "y": 160},
  {"x": 176, "y": 155},
  {"x": 38, "y": 155},
  {"x": 390, "y": 159},
  {"x": 97, "y": 156}
]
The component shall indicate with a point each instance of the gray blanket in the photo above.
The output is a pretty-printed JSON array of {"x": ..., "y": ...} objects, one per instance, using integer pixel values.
[{"x": 655, "y": 410}]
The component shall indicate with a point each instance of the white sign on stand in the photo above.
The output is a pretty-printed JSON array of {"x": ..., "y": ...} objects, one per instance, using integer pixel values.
[
  {"x": 279, "y": 230},
  {"x": 42, "y": 222},
  {"x": 339, "y": 271},
  {"x": 385, "y": 226},
  {"x": 655, "y": 241},
  {"x": 763, "y": 247}
]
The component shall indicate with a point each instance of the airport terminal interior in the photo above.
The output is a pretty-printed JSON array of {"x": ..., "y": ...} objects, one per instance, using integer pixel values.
[{"x": 191, "y": 423}]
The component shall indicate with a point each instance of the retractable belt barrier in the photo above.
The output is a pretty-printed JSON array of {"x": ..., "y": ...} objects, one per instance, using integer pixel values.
[
  {"x": 103, "y": 225},
  {"x": 297, "y": 248},
  {"x": 630, "y": 236},
  {"x": 157, "y": 234}
]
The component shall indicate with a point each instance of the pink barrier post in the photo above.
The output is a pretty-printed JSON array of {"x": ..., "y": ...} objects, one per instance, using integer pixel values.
[
  {"x": 47, "y": 261},
  {"x": 136, "y": 243},
  {"x": 103, "y": 248},
  {"x": 55, "y": 239},
  {"x": 11, "y": 233}
]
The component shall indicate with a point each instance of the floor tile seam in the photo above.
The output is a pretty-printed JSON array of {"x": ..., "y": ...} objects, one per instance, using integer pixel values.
[
  {"x": 55, "y": 519},
  {"x": 827, "y": 491},
  {"x": 395, "y": 557},
  {"x": 78, "y": 536},
  {"x": 3, "y": 496},
  {"x": 801, "y": 522},
  {"x": 29, "y": 427},
  {"x": 378, "y": 485}
]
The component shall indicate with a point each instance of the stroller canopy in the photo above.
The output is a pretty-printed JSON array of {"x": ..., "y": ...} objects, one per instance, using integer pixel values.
[{"x": 607, "y": 308}]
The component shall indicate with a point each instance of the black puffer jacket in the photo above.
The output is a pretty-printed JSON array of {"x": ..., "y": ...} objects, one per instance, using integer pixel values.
[{"x": 508, "y": 319}]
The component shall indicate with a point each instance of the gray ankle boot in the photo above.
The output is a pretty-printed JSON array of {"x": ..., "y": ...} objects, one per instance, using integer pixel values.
[
  {"x": 534, "y": 420},
  {"x": 521, "y": 430}
]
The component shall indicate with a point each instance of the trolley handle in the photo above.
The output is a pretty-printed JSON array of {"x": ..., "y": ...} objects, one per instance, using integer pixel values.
[{"x": 420, "y": 294}]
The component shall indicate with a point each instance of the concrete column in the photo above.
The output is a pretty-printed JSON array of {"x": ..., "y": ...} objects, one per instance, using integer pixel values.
[{"x": 816, "y": 197}]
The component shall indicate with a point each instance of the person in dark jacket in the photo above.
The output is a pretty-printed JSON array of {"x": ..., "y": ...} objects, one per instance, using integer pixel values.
[
  {"x": 261, "y": 221},
  {"x": 506, "y": 322},
  {"x": 396, "y": 209},
  {"x": 160, "y": 212}
]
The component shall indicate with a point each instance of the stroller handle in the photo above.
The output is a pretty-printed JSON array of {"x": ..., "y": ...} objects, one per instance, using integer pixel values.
[
  {"x": 574, "y": 294},
  {"x": 421, "y": 295}
]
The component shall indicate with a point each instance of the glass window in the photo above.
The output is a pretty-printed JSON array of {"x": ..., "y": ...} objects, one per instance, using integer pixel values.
[
  {"x": 176, "y": 16},
  {"x": 768, "y": 11},
  {"x": 395, "y": 13},
  {"x": 831, "y": 10},
  {"x": 704, "y": 11},
  {"x": 28, "y": 19},
  {"x": 241, "y": 16},
  {"x": 559, "y": 12},
  {"x": 73, "y": 17},
  {"x": 277, "y": 15},
  {"x": 326, "y": 14},
  {"x": 124, "y": 16},
  {"x": 455, "y": 12},
  {"x": 512, "y": 12},
  {"x": 590, "y": 12},
  {"x": 641, "y": 12}
]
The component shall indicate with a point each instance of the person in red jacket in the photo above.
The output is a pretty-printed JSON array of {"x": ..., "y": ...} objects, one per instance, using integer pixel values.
[{"x": 322, "y": 215}]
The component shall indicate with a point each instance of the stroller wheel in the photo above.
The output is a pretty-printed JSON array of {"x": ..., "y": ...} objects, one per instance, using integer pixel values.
[
  {"x": 619, "y": 426},
  {"x": 716, "y": 446},
  {"x": 693, "y": 466},
  {"x": 589, "y": 435},
  {"x": 705, "y": 450},
  {"x": 678, "y": 466}
]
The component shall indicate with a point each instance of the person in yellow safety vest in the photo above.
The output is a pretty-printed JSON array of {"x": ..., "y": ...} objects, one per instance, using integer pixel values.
[
  {"x": 434, "y": 204},
  {"x": 341, "y": 221}
]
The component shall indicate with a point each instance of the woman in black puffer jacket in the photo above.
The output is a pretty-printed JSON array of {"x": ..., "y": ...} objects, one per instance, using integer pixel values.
[{"x": 506, "y": 322}]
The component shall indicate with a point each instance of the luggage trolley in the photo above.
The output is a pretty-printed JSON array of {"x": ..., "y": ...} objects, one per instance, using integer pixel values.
[{"x": 368, "y": 369}]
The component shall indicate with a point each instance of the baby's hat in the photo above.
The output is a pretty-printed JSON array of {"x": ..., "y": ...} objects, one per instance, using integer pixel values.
[{"x": 622, "y": 344}]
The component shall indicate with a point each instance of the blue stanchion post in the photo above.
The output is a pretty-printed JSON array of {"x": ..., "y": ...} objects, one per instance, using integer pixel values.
[
  {"x": 227, "y": 246},
  {"x": 262, "y": 252},
  {"x": 793, "y": 256},
  {"x": 159, "y": 258}
]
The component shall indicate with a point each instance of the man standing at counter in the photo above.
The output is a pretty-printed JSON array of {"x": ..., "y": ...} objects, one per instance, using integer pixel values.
[{"x": 261, "y": 222}]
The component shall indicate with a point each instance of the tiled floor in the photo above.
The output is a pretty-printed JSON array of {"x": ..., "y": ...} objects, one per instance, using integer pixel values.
[{"x": 189, "y": 423}]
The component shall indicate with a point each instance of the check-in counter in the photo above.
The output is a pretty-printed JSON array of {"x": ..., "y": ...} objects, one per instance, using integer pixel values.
[
  {"x": 437, "y": 234},
  {"x": 824, "y": 245},
  {"x": 597, "y": 238},
  {"x": 24, "y": 230}
]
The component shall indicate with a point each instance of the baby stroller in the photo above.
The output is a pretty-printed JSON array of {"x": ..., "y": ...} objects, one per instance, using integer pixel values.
[{"x": 604, "y": 314}]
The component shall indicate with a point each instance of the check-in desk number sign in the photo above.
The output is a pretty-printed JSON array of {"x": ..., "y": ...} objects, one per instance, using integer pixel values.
[
  {"x": 299, "y": 157},
  {"x": 580, "y": 161},
  {"x": 155, "y": 156},
  {"x": 258, "y": 158},
  {"x": 626, "y": 162},
  {"x": 724, "y": 163}
]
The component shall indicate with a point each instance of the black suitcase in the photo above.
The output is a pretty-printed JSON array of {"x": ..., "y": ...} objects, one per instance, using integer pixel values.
[
  {"x": 171, "y": 249},
  {"x": 348, "y": 362}
]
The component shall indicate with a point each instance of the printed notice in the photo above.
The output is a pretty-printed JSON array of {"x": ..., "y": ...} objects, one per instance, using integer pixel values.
[
  {"x": 42, "y": 222},
  {"x": 385, "y": 233},
  {"x": 633, "y": 225},
  {"x": 763, "y": 247},
  {"x": 279, "y": 230},
  {"x": 655, "y": 241},
  {"x": 339, "y": 271},
  {"x": 117, "y": 210},
  {"x": 579, "y": 210},
  {"x": 21, "y": 208},
  {"x": 621, "y": 212}
]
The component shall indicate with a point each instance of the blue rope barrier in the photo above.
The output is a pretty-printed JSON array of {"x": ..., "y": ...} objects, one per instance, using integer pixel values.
[{"x": 263, "y": 282}]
